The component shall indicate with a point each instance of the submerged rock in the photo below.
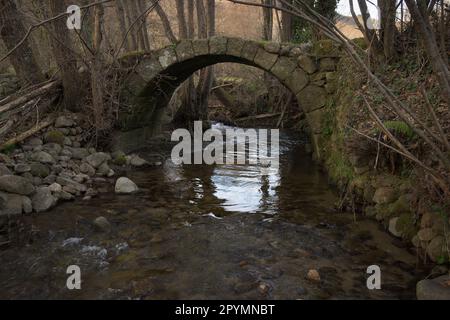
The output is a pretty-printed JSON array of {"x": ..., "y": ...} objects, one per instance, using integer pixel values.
[
  {"x": 11, "y": 204},
  {"x": 102, "y": 224},
  {"x": 43, "y": 199},
  {"x": 313, "y": 275},
  {"x": 125, "y": 186},
  {"x": 137, "y": 161}
]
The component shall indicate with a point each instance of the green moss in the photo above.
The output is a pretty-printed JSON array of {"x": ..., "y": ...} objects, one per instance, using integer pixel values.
[
  {"x": 132, "y": 54},
  {"x": 400, "y": 206},
  {"x": 399, "y": 127},
  {"x": 8, "y": 149},
  {"x": 361, "y": 42},
  {"x": 325, "y": 48},
  {"x": 339, "y": 167},
  {"x": 54, "y": 136},
  {"x": 406, "y": 225},
  {"x": 120, "y": 160}
]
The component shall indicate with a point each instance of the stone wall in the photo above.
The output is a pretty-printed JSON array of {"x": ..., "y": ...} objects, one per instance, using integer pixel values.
[{"x": 396, "y": 201}]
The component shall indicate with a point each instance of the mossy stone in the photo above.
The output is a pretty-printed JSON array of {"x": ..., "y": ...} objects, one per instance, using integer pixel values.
[{"x": 54, "y": 136}]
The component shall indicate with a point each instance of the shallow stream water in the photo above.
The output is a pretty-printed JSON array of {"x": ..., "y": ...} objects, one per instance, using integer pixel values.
[{"x": 210, "y": 232}]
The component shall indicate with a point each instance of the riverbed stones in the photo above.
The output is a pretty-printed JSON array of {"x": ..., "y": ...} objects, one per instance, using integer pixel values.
[
  {"x": 43, "y": 199},
  {"x": 87, "y": 169},
  {"x": 16, "y": 184},
  {"x": 64, "y": 122},
  {"x": 313, "y": 275},
  {"x": 102, "y": 224},
  {"x": 22, "y": 168},
  {"x": 79, "y": 153},
  {"x": 137, "y": 161},
  {"x": 10, "y": 204},
  {"x": 436, "y": 248},
  {"x": 54, "y": 149},
  {"x": 71, "y": 184},
  {"x": 54, "y": 136},
  {"x": 42, "y": 157},
  {"x": 393, "y": 229},
  {"x": 426, "y": 234},
  {"x": 103, "y": 169},
  {"x": 434, "y": 289},
  {"x": 97, "y": 159},
  {"x": 125, "y": 186},
  {"x": 4, "y": 170},
  {"x": 34, "y": 142},
  {"x": 55, "y": 187},
  {"x": 384, "y": 195}
]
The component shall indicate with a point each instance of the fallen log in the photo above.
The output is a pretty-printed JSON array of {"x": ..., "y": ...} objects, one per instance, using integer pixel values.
[
  {"x": 259, "y": 117},
  {"x": 21, "y": 137},
  {"x": 23, "y": 99}
]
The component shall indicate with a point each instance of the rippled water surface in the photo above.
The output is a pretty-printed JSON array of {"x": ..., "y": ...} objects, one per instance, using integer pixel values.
[{"x": 209, "y": 232}]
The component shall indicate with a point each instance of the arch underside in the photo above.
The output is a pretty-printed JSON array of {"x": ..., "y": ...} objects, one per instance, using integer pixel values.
[{"x": 154, "y": 78}]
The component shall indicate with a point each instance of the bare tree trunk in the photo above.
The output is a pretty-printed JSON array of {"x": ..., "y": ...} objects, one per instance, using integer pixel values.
[
  {"x": 267, "y": 20},
  {"x": 389, "y": 30},
  {"x": 65, "y": 57},
  {"x": 187, "y": 93},
  {"x": 182, "y": 26},
  {"x": 166, "y": 24},
  {"x": 143, "y": 25},
  {"x": 129, "y": 20},
  {"x": 419, "y": 12},
  {"x": 207, "y": 74},
  {"x": 97, "y": 80},
  {"x": 191, "y": 23},
  {"x": 12, "y": 31},
  {"x": 286, "y": 26},
  {"x": 137, "y": 28},
  {"x": 370, "y": 36},
  {"x": 120, "y": 12}
]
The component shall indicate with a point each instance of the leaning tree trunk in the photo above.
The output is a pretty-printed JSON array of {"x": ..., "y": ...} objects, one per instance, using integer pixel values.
[
  {"x": 12, "y": 32},
  {"x": 166, "y": 23},
  {"x": 64, "y": 57}
]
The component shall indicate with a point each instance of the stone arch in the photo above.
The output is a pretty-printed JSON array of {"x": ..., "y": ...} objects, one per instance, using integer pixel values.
[{"x": 152, "y": 78}]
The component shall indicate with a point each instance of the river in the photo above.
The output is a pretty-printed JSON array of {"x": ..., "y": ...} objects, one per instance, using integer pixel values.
[{"x": 210, "y": 232}]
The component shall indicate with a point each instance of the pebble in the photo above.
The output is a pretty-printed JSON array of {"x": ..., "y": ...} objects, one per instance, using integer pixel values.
[{"x": 313, "y": 275}]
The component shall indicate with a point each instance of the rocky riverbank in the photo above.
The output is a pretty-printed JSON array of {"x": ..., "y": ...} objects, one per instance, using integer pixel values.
[
  {"x": 378, "y": 183},
  {"x": 56, "y": 165}
]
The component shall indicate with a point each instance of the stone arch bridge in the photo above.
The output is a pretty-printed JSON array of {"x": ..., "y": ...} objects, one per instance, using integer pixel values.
[{"x": 151, "y": 78}]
